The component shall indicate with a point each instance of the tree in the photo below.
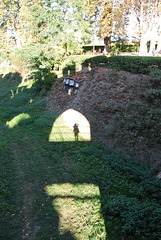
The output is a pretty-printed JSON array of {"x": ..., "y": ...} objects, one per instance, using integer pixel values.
[
  {"x": 159, "y": 37},
  {"x": 48, "y": 21},
  {"x": 71, "y": 22},
  {"x": 7, "y": 20},
  {"x": 112, "y": 17},
  {"x": 16, "y": 22},
  {"x": 147, "y": 15}
]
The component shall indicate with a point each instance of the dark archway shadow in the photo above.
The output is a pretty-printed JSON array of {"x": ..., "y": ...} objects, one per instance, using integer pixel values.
[{"x": 63, "y": 135}]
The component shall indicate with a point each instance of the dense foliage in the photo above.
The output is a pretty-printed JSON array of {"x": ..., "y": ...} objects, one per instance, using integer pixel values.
[
  {"x": 129, "y": 191},
  {"x": 133, "y": 64}
]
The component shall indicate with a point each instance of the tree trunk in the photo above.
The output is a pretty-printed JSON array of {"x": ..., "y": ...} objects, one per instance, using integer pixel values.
[
  {"x": 152, "y": 45},
  {"x": 107, "y": 42},
  {"x": 143, "y": 32},
  {"x": 159, "y": 43},
  {"x": 66, "y": 48},
  {"x": 143, "y": 45}
]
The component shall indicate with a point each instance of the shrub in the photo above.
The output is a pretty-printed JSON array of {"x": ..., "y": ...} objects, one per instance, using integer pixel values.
[
  {"x": 96, "y": 61},
  {"x": 123, "y": 48},
  {"x": 43, "y": 79},
  {"x": 16, "y": 60},
  {"x": 71, "y": 62},
  {"x": 139, "y": 219},
  {"x": 69, "y": 67},
  {"x": 155, "y": 78},
  {"x": 153, "y": 96},
  {"x": 145, "y": 122},
  {"x": 46, "y": 119},
  {"x": 134, "y": 64},
  {"x": 130, "y": 193},
  {"x": 39, "y": 62}
]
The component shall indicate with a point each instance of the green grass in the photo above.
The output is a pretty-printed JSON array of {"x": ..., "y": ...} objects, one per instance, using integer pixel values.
[{"x": 67, "y": 190}]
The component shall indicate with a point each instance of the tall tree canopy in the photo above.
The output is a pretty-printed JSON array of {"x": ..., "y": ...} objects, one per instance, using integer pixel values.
[
  {"x": 147, "y": 14},
  {"x": 65, "y": 23},
  {"x": 44, "y": 21},
  {"x": 112, "y": 17}
]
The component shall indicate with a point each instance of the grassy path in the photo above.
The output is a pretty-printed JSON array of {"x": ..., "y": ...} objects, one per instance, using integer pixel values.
[
  {"x": 58, "y": 190},
  {"x": 53, "y": 201}
]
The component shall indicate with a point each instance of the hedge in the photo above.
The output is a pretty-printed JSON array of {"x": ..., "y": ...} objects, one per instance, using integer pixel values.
[{"x": 134, "y": 64}]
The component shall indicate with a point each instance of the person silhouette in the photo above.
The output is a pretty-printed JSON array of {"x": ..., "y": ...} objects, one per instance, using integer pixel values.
[{"x": 76, "y": 131}]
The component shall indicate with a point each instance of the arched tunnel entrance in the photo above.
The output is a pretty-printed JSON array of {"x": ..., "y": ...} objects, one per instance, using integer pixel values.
[{"x": 71, "y": 125}]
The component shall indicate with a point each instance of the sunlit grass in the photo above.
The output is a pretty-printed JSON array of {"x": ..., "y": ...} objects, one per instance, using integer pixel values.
[
  {"x": 62, "y": 129},
  {"x": 78, "y": 206},
  {"x": 16, "y": 120}
]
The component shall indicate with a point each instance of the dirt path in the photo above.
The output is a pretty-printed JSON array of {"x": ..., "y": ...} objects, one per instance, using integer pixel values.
[
  {"x": 52, "y": 199},
  {"x": 29, "y": 224}
]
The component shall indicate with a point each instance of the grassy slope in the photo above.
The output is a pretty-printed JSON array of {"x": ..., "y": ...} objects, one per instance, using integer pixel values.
[
  {"x": 68, "y": 190},
  {"x": 123, "y": 109}
]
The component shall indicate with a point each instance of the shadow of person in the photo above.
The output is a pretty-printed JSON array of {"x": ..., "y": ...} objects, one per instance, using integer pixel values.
[{"x": 76, "y": 131}]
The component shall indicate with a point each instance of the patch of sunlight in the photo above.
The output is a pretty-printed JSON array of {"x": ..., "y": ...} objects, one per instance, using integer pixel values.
[
  {"x": 15, "y": 121},
  {"x": 79, "y": 209},
  {"x": 14, "y": 93},
  {"x": 63, "y": 127},
  {"x": 26, "y": 83}
]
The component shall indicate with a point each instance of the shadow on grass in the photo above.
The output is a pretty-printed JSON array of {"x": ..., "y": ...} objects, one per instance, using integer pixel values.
[
  {"x": 58, "y": 193},
  {"x": 38, "y": 214},
  {"x": 57, "y": 198}
]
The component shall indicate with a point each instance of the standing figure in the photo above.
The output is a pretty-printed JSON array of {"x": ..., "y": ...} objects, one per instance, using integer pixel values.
[{"x": 76, "y": 131}]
